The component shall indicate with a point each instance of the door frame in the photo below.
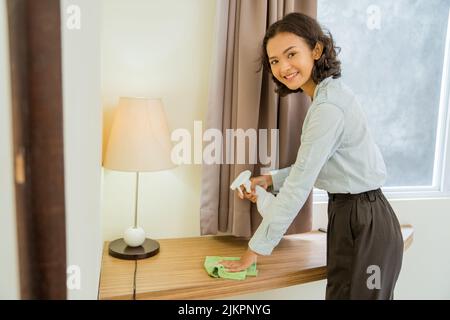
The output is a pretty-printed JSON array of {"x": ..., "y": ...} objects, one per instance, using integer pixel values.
[{"x": 37, "y": 121}]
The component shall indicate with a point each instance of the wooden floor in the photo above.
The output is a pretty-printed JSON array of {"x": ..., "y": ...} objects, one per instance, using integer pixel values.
[{"x": 177, "y": 272}]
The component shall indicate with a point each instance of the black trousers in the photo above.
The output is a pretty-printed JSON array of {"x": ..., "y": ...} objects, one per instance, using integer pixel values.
[{"x": 364, "y": 247}]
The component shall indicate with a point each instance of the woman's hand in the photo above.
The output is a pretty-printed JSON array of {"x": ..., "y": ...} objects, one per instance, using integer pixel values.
[
  {"x": 238, "y": 265},
  {"x": 264, "y": 181}
]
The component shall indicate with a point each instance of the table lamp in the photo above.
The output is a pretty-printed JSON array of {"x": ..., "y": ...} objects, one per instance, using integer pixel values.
[{"x": 139, "y": 141}]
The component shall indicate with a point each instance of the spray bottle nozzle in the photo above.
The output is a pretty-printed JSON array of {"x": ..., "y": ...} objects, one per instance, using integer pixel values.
[
  {"x": 264, "y": 198},
  {"x": 242, "y": 179}
]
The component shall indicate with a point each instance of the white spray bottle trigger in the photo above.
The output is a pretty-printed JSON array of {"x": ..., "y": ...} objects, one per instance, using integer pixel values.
[
  {"x": 242, "y": 179},
  {"x": 248, "y": 186}
]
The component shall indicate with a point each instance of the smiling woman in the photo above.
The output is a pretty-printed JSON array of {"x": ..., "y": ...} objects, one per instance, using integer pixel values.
[
  {"x": 298, "y": 55},
  {"x": 293, "y": 66},
  {"x": 337, "y": 154}
]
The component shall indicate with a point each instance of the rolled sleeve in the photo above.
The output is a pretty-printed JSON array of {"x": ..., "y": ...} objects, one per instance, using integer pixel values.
[
  {"x": 278, "y": 177},
  {"x": 321, "y": 136}
]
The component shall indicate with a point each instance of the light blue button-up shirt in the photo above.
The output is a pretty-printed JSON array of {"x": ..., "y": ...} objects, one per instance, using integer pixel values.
[{"x": 337, "y": 154}]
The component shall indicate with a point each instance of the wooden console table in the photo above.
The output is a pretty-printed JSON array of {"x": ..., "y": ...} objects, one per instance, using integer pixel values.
[{"x": 177, "y": 272}]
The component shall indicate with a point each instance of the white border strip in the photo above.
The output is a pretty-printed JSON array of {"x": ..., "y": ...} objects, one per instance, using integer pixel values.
[
  {"x": 440, "y": 167},
  {"x": 444, "y": 182}
]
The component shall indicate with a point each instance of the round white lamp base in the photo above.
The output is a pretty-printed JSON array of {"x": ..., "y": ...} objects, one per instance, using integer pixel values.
[{"x": 134, "y": 237}]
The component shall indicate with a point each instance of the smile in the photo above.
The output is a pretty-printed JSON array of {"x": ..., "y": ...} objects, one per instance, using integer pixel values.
[{"x": 291, "y": 76}]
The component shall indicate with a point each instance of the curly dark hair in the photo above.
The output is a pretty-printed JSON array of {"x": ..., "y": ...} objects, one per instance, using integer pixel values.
[{"x": 310, "y": 30}]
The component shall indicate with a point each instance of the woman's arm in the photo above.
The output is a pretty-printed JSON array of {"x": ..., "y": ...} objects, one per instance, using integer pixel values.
[
  {"x": 278, "y": 177},
  {"x": 322, "y": 135}
]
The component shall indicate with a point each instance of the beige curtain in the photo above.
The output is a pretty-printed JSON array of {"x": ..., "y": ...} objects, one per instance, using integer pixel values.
[{"x": 241, "y": 98}]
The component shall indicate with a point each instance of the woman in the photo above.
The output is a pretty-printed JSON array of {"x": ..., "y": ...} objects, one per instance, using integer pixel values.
[{"x": 337, "y": 154}]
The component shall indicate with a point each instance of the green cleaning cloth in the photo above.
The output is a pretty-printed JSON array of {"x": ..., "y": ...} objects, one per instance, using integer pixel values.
[{"x": 218, "y": 271}]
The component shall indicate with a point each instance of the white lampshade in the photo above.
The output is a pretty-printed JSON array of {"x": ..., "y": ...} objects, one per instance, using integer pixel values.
[{"x": 139, "y": 138}]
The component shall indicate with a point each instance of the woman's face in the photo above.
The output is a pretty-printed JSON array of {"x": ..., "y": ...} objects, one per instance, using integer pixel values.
[{"x": 291, "y": 59}]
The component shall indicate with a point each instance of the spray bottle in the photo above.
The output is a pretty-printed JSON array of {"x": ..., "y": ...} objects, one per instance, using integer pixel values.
[{"x": 263, "y": 199}]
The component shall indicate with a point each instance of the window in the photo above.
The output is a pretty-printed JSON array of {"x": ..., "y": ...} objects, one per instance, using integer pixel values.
[{"x": 395, "y": 57}]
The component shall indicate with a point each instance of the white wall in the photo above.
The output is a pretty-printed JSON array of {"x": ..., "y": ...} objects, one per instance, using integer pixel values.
[
  {"x": 9, "y": 274},
  {"x": 82, "y": 145},
  {"x": 156, "y": 49},
  {"x": 163, "y": 49}
]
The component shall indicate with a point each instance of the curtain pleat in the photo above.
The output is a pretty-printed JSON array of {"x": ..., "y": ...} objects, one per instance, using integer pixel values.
[{"x": 241, "y": 98}]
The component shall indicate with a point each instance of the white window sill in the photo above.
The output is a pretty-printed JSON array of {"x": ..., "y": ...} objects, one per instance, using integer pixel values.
[{"x": 321, "y": 196}]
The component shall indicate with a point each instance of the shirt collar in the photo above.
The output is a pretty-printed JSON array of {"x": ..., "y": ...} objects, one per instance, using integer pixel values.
[{"x": 322, "y": 84}]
